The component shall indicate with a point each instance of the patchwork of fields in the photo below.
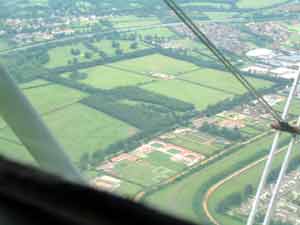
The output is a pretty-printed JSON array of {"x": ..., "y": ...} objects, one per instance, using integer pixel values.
[{"x": 131, "y": 99}]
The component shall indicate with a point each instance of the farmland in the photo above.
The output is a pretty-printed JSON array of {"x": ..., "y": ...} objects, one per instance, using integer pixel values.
[
  {"x": 222, "y": 80},
  {"x": 81, "y": 129},
  {"x": 61, "y": 56},
  {"x": 108, "y": 77},
  {"x": 197, "y": 142},
  {"x": 156, "y": 64},
  {"x": 201, "y": 97},
  {"x": 140, "y": 106}
]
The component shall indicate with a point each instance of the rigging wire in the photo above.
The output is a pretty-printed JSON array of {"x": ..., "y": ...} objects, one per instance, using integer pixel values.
[{"x": 217, "y": 53}]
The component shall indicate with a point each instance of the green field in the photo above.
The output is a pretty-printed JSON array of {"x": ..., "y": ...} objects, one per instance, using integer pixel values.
[
  {"x": 161, "y": 159},
  {"x": 159, "y": 31},
  {"x": 60, "y": 56},
  {"x": 184, "y": 198},
  {"x": 223, "y": 80},
  {"x": 107, "y": 78},
  {"x": 201, "y": 97},
  {"x": 50, "y": 98},
  {"x": 106, "y": 46},
  {"x": 157, "y": 63},
  {"x": 133, "y": 21},
  {"x": 81, "y": 129},
  {"x": 237, "y": 185},
  {"x": 149, "y": 170},
  {"x": 258, "y": 4},
  {"x": 142, "y": 172},
  {"x": 191, "y": 143}
]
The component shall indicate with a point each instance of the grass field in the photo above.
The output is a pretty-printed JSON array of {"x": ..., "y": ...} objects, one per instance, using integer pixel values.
[
  {"x": 159, "y": 31},
  {"x": 237, "y": 184},
  {"x": 49, "y": 98},
  {"x": 156, "y": 63},
  {"x": 150, "y": 169},
  {"x": 142, "y": 172},
  {"x": 258, "y": 4},
  {"x": 223, "y": 80},
  {"x": 106, "y": 46},
  {"x": 161, "y": 159},
  {"x": 133, "y": 21},
  {"x": 184, "y": 198},
  {"x": 201, "y": 97},
  {"x": 106, "y": 77},
  {"x": 195, "y": 144},
  {"x": 60, "y": 56},
  {"x": 81, "y": 129}
]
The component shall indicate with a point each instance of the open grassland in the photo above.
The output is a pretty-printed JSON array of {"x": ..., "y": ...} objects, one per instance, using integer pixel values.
[
  {"x": 62, "y": 56},
  {"x": 48, "y": 98},
  {"x": 151, "y": 170},
  {"x": 159, "y": 31},
  {"x": 84, "y": 130},
  {"x": 238, "y": 184},
  {"x": 258, "y": 4},
  {"x": 223, "y": 80},
  {"x": 194, "y": 143},
  {"x": 107, "y": 78},
  {"x": 201, "y": 97},
  {"x": 133, "y": 21},
  {"x": 157, "y": 63},
  {"x": 184, "y": 198},
  {"x": 81, "y": 129}
]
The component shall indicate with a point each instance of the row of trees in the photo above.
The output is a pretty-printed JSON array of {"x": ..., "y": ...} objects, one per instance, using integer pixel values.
[{"x": 230, "y": 134}]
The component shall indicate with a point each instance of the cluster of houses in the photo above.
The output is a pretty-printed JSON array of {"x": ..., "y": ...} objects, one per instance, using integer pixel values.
[
  {"x": 222, "y": 35},
  {"x": 44, "y": 29}
]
